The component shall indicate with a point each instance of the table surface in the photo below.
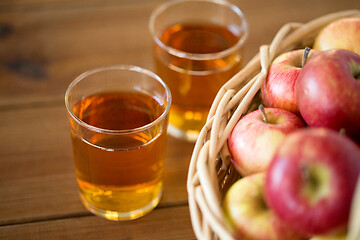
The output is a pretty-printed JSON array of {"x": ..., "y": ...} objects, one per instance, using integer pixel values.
[{"x": 44, "y": 45}]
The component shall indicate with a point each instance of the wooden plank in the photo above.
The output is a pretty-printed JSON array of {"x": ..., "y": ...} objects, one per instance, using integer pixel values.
[
  {"x": 44, "y": 50},
  {"x": 37, "y": 177},
  {"x": 44, "y": 45},
  {"x": 49, "y": 42},
  {"x": 30, "y": 5},
  {"x": 168, "y": 223}
]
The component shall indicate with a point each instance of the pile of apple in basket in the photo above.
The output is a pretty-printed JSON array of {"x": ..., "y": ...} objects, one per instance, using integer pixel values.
[{"x": 300, "y": 155}]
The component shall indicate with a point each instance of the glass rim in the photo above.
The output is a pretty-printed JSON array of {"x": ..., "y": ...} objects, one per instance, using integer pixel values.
[
  {"x": 199, "y": 56},
  {"x": 133, "y": 68}
]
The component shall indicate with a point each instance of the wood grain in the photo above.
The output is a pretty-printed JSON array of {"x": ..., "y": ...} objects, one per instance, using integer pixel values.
[
  {"x": 37, "y": 177},
  {"x": 159, "y": 224},
  {"x": 44, "y": 45},
  {"x": 48, "y": 43}
]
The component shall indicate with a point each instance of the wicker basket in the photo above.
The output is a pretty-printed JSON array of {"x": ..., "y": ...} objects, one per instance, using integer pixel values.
[{"x": 211, "y": 172}]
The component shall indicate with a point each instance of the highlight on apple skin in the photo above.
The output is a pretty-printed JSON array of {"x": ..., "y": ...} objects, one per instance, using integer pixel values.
[
  {"x": 311, "y": 180},
  {"x": 253, "y": 141},
  {"x": 341, "y": 34},
  {"x": 249, "y": 216},
  {"x": 278, "y": 89},
  {"x": 328, "y": 91}
]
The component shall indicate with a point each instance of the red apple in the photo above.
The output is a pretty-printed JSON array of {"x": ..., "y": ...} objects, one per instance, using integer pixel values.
[
  {"x": 248, "y": 214},
  {"x": 253, "y": 141},
  {"x": 343, "y": 33},
  {"x": 278, "y": 89},
  {"x": 328, "y": 91},
  {"x": 311, "y": 180}
]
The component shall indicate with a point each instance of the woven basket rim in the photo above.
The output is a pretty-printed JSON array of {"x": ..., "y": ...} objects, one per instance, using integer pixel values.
[{"x": 202, "y": 182}]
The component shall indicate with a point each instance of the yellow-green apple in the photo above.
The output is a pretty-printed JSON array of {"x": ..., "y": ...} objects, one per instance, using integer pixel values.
[
  {"x": 278, "y": 89},
  {"x": 328, "y": 91},
  {"x": 343, "y": 33},
  {"x": 311, "y": 180},
  {"x": 330, "y": 237},
  {"x": 253, "y": 141},
  {"x": 338, "y": 234},
  {"x": 248, "y": 215}
]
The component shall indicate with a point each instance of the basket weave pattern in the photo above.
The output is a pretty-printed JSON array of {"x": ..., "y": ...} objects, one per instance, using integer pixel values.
[{"x": 211, "y": 172}]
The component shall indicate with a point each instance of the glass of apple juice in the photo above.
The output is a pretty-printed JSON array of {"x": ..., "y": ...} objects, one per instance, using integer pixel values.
[
  {"x": 198, "y": 46},
  {"x": 118, "y": 121}
]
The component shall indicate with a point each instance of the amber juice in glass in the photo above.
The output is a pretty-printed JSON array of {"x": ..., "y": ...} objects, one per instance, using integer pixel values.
[
  {"x": 118, "y": 118},
  {"x": 197, "y": 48}
]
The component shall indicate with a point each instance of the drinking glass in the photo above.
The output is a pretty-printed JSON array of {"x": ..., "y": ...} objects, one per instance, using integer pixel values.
[
  {"x": 198, "y": 46},
  {"x": 118, "y": 121}
]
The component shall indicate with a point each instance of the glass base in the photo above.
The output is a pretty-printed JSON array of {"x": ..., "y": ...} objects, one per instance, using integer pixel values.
[
  {"x": 189, "y": 135},
  {"x": 121, "y": 216}
]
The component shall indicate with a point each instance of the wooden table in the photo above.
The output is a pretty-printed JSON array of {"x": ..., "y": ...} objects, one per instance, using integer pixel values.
[{"x": 44, "y": 45}]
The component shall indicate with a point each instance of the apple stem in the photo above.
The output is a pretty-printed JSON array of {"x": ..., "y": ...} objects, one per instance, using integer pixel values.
[
  {"x": 262, "y": 110},
  {"x": 357, "y": 76},
  {"x": 342, "y": 131},
  {"x": 305, "y": 56},
  {"x": 305, "y": 174}
]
